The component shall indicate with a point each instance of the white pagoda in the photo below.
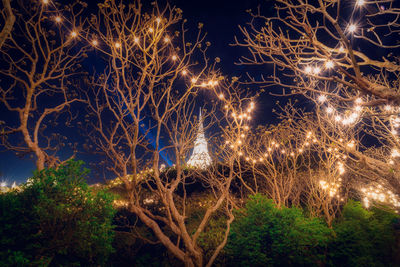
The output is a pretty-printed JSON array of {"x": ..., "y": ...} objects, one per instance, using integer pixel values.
[{"x": 200, "y": 157}]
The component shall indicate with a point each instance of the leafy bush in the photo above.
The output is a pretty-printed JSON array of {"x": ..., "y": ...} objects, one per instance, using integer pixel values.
[
  {"x": 363, "y": 238},
  {"x": 265, "y": 235},
  {"x": 56, "y": 219}
]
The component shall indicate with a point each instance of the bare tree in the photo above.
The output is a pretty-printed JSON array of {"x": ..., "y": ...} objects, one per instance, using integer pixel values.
[
  {"x": 143, "y": 115},
  {"x": 9, "y": 20},
  {"x": 40, "y": 60},
  {"x": 342, "y": 56}
]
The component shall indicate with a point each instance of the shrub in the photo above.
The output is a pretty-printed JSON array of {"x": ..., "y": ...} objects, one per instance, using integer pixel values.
[
  {"x": 363, "y": 237},
  {"x": 56, "y": 220},
  {"x": 265, "y": 235}
]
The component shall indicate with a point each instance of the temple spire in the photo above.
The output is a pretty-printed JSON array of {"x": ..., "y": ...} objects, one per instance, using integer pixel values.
[{"x": 200, "y": 157}]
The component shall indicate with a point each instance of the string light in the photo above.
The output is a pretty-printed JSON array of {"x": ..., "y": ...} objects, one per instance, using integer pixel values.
[
  {"x": 166, "y": 39},
  {"x": 329, "y": 64},
  {"x": 174, "y": 57},
  {"x": 360, "y": 2},
  {"x": 322, "y": 98},
  {"x": 45, "y": 2},
  {"x": 117, "y": 45},
  {"x": 95, "y": 42},
  {"x": 74, "y": 34},
  {"x": 352, "y": 28},
  {"x": 151, "y": 30},
  {"x": 136, "y": 39},
  {"x": 308, "y": 69},
  {"x": 184, "y": 72},
  {"x": 58, "y": 19}
]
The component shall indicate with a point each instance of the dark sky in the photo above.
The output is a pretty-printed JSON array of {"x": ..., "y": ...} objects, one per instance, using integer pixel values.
[{"x": 221, "y": 19}]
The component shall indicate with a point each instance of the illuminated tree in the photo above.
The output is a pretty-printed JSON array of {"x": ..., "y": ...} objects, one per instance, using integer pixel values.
[
  {"x": 39, "y": 62},
  {"x": 342, "y": 56},
  {"x": 142, "y": 115}
]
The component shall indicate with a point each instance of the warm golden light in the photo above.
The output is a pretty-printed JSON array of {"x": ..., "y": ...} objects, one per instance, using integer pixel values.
[
  {"x": 151, "y": 30},
  {"x": 74, "y": 34},
  {"x": 184, "y": 72},
  {"x": 58, "y": 19},
  {"x": 352, "y": 28},
  {"x": 166, "y": 39},
  {"x": 174, "y": 57},
  {"x": 117, "y": 45},
  {"x": 45, "y": 2},
  {"x": 95, "y": 42},
  {"x": 329, "y": 64}
]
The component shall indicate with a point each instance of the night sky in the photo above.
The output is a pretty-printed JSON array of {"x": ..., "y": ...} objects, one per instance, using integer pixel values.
[{"x": 221, "y": 19}]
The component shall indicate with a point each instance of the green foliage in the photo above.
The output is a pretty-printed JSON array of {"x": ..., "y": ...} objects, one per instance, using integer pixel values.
[
  {"x": 265, "y": 235},
  {"x": 56, "y": 219},
  {"x": 363, "y": 238}
]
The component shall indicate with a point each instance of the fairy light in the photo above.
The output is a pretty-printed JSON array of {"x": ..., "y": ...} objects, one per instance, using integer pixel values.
[
  {"x": 322, "y": 98},
  {"x": 95, "y": 42},
  {"x": 352, "y": 28},
  {"x": 388, "y": 108},
  {"x": 194, "y": 80},
  {"x": 360, "y": 2},
  {"x": 329, "y": 64},
  {"x": 308, "y": 69},
  {"x": 151, "y": 30},
  {"x": 221, "y": 96},
  {"x": 117, "y": 45},
  {"x": 136, "y": 39},
  {"x": 74, "y": 34},
  {"x": 395, "y": 153},
  {"x": 45, "y": 2},
  {"x": 317, "y": 70},
  {"x": 166, "y": 39},
  {"x": 358, "y": 100},
  {"x": 174, "y": 57},
  {"x": 58, "y": 19},
  {"x": 158, "y": 20},
  {"x": 329, "y": 110},
  {"x": 184, "y": 72}
]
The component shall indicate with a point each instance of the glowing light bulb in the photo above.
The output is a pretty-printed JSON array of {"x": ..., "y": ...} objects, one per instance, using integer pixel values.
[
  {"x": 322, "y": 98},
  {"x": 317, "y": 70},
  {"x": 329, "y": 110},
  {"x": 95, "y": 42},
  {"x": 74, "y": 34},
  {"x": 58, "y": 19},
  {"x": 184, "y": 72},
  {"x": 151, "y": 30},
  {"x": 308, "y": 69},
  {"x": 45, "y": 2},
  {"x": 329, "y": 64},
  {"x": 117, "y": 45},
  {"x": 166, "y": 39},
  {"x": 360, "y": 2},
  {"x": 194, "y": 80},
  {"x": 221, "y": 96},
  {"x": 341, "y": 49},
  {"x": 338, "y": 118},
  {"x": 388, "y": 108},
  {"x": 174, "y": 57},
  {"x": 136, "y": 39},
  {"x": 352, "y": 28},
  {"x": 158, "y": 20}
]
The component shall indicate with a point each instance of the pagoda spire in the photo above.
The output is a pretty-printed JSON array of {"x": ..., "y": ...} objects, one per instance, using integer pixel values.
[{"x": 200, "y": 157}]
